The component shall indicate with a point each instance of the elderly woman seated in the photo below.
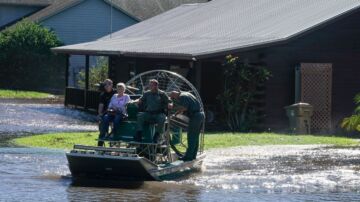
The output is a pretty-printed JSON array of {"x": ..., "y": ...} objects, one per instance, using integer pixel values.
[{"x": 116, "y": 110}]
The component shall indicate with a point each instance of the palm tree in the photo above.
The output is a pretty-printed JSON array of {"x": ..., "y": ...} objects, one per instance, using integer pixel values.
[{"x": 353, "y": 122}]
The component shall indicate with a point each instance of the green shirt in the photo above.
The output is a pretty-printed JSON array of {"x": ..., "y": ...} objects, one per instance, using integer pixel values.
[
  {"x": 155, "y": 102},
  {"x": 190, "y": 102}
]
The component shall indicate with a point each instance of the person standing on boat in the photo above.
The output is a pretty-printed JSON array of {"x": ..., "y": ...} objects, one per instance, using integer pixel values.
[
  {"x": 116, "y": 110},
  {"x": 187, "y": 103},
  {"x": 155, "y": 102},
  {"x": 105, "y": 98}
]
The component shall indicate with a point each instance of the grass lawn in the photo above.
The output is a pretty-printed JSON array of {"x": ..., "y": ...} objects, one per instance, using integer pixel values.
[
  {"x": 23, "y": 94},
  {"x": 212, "y": 140}
]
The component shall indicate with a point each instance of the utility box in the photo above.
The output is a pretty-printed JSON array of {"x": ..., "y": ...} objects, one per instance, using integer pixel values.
[{"x": 300, "y": 117}]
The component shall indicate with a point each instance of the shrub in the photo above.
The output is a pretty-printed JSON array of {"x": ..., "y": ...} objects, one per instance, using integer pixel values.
[
  {"x": 241, "y": 81},
  {"x": 352, "y": 123},
  {"x": 97, "y": 74},
  {"x": 26, "y": 61}
]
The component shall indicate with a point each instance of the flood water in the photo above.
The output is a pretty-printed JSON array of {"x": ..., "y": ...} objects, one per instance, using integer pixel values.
[
  {"x": 41, "y": 118},
  {"x": 270, "y": 173}
]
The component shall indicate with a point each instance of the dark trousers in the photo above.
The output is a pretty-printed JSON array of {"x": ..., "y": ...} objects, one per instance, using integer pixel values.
[
  {"x": 194, "y": 129},
  {"x": 158, "y": 118},
  {"x": 105, "y": 122}
]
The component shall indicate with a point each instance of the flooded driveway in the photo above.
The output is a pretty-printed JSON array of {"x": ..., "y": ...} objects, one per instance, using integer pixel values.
[
  {"x": 266, "y": 173},
  {"x": 42, "y": 118}
]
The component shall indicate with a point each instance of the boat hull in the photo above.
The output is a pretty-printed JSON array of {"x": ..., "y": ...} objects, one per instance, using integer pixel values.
[
  {"x": 97, "y": 166},
  {"x": 124, "y": 168}
]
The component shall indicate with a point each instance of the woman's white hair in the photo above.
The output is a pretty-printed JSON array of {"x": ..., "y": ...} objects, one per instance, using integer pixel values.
[{"x": 121, "y": 84}]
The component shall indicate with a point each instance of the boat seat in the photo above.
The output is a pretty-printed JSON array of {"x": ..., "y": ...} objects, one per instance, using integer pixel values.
[
  {"x": 132, "y": 111},
  {"x": 127, "y": 131},
  {"x": 128, "y": 127}
]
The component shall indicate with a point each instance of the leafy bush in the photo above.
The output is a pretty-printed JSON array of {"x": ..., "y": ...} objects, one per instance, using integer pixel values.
[
  {"x": 241, "y": 81},
  {"x": 97, "y": 74},
  {"x": 26, "y": 61},
  {"x": 352, "y": 123}
]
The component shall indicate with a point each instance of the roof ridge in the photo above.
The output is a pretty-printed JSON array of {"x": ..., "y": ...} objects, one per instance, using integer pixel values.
[
  {"x": 28, "y": 2},
  {"x": 231, "y": 25},
  {"x": 58, "y": 6},
  {"x": 53, "y": 9}
]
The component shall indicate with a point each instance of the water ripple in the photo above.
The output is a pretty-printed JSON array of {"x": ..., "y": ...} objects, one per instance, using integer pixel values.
[
  {"x": 281, "y": 169},
  {"x": 43, "y": 118}
]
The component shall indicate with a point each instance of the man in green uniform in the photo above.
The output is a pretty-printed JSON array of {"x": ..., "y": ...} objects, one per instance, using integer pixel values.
[
  {"x": 191, "y": 106},
  {"x": 155, "y": 102}
]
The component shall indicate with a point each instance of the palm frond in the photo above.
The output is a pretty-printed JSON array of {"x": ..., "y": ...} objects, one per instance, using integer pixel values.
[
  {"x": 357, "y": 110},
  {"x": 351, "y": 123},
  {"x": 357, "y": 99}
]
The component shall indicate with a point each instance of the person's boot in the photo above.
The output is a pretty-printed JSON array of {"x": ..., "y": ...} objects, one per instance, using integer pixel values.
[
  {"x": 138, "y": 136},
  {"x": 184, "y": 158},
  {"x": 100, "y": 143}
]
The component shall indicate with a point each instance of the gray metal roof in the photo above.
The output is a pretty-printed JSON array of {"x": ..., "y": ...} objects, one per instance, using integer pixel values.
[{"x": 202, "y": 30}]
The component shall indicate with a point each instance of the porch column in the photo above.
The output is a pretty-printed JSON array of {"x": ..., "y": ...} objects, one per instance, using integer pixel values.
[
  {"x": 86, "y": 80},
  {"x": 87, "y": 72},
  {"x": 67, "y": 64},
  {"x": 198, "y": 72},
  {"x": 110, "y": 66}
]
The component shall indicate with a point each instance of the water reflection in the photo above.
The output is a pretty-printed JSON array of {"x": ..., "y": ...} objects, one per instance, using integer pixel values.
[
  {"x": 25, "y": 174},
  {"x": 147, "y": 191},
  {"x": 282, "y": 169}
]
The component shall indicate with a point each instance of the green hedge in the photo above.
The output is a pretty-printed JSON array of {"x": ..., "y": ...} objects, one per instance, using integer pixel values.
[{"x": 26, "y": 61}]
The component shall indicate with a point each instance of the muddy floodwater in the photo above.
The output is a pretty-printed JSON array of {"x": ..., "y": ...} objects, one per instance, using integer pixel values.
[{"x": 253, "y": 173}]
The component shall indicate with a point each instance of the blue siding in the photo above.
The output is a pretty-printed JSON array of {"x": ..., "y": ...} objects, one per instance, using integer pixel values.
[
  {"x": 87, "y": 21},
  {"x": 11, "y": 13},
  {"x": 84, "y": 22}
]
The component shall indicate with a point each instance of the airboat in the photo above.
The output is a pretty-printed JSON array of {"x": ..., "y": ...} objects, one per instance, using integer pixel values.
[{"x": 123, "y": 158}]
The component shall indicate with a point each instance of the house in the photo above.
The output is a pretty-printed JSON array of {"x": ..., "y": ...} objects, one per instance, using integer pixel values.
[
  {"x": 311, "y": 47},
  {"x": 12, "y": 11},
  {"x": 76, "y": 21}
]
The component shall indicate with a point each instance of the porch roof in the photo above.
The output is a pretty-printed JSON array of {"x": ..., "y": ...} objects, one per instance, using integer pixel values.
[{"x": 218, "y": 27}]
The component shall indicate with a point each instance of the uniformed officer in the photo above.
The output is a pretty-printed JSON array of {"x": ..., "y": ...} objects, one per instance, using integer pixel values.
[
  {"x": 186, "y": 102},
  {"x": 154, "y": 102}
]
